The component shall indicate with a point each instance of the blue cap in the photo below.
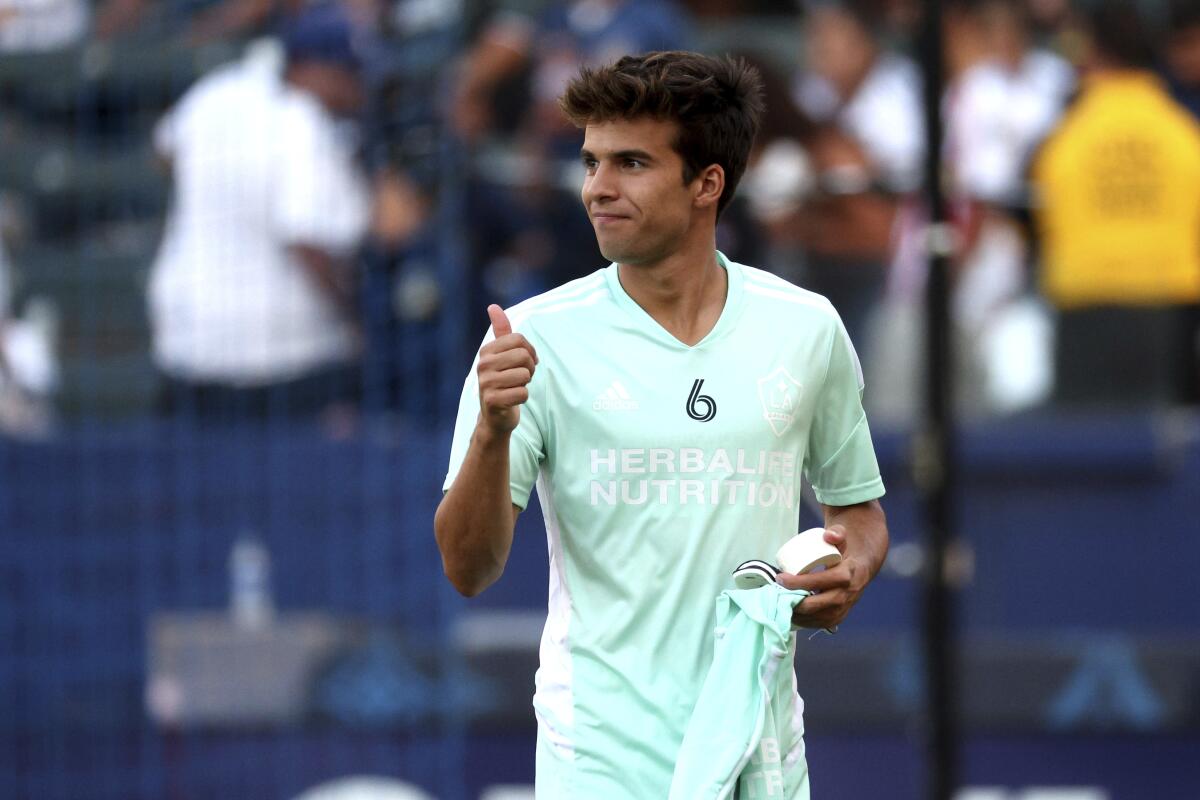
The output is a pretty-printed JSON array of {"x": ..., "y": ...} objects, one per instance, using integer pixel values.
[{"x": 321, "y": 32}]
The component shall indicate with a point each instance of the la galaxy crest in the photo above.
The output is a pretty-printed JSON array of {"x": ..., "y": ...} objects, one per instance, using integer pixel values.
[{"x": 779, "y": 394}]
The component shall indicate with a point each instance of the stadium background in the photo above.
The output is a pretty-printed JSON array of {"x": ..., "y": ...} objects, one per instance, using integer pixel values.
[{"x": 128, "y": 664}]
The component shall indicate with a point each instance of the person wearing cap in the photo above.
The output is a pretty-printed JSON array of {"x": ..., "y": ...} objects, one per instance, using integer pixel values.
[{"x": 250, "y": 294}]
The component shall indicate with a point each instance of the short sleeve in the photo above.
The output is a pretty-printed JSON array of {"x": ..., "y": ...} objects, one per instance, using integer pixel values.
[
  {"x": 525, "y": 448},
  {"x": 840, "y": 461},
  {"x": 322, "y": 199}
]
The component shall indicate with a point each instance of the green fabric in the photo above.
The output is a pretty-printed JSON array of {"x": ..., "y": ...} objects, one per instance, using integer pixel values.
[{"x": 740, "y": 737}]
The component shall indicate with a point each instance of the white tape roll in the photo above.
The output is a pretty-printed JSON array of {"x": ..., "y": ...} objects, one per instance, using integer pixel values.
[{"x": 806, "y": 551}]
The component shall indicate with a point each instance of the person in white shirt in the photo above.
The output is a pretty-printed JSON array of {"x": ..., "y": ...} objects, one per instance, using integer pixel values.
[
  {"x": 251, "y": 293},
  {"x": 872, "y": 94},
  {"x": 1003, "y": 97},
  {"x": 868, "y": 102},
  {"x": 29, "y": 372}
]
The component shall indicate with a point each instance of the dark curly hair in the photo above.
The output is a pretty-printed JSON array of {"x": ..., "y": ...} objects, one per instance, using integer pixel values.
[{"x": 716, "y": 103}]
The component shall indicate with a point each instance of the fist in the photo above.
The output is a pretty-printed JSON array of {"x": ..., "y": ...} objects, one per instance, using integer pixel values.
[{"x": 506, "y": 366}]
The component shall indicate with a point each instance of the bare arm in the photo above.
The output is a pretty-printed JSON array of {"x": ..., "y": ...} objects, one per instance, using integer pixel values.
[
  {"x": 331, "y": 276},
  {"x": 231, "y": 18},
  {"x": 860, "y": 533},
  {"x": 475, "y": 520},
  {"x": 500, "y": 53}
]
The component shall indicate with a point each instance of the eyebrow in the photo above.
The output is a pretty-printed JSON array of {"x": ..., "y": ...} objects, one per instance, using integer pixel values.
[{"x": 640, "y": 155}]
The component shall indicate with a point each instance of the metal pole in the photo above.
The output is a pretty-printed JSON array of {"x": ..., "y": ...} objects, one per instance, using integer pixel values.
[{"x": 933, "y": 456}]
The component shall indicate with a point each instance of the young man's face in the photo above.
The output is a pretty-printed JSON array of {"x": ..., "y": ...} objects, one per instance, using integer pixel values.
[{"x": 634, "y": 192}]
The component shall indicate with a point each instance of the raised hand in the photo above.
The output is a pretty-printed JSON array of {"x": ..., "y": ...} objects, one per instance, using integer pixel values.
[{"x": 506, "y": 366}]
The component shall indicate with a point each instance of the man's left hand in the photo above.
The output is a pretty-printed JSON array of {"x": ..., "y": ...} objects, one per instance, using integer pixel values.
[{"x": 838, "y": 588}]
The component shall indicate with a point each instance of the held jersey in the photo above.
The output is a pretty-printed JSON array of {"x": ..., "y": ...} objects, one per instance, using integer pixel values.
[{"x": 659, "y": 468}]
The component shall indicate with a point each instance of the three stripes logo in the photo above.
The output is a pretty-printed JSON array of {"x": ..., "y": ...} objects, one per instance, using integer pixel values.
[
  {"x": 615, "y": 398},
  {"x": 700, "y": 407}
]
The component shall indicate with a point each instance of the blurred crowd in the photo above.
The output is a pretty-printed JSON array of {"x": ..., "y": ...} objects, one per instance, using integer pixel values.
[{"x": 323, "y": 179}]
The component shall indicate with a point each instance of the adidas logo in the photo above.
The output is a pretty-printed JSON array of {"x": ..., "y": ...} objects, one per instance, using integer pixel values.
[{"x": 615, "y": 398}]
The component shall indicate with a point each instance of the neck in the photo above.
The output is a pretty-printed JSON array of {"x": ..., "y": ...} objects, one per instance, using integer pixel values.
[
  {"x": 967, "y": 51},
  {"x": 684, "y": 292}
]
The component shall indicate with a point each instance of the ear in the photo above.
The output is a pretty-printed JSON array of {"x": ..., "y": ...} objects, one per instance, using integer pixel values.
[{"x": 709, "y": 183}]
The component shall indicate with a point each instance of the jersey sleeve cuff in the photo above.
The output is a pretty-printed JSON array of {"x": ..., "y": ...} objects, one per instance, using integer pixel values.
[
  {"x": 860, "y": 493},
  {"x": 520, "y": 497}
]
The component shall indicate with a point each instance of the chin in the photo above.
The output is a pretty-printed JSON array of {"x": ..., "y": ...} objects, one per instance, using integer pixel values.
[{"x": 613, "y": 252}]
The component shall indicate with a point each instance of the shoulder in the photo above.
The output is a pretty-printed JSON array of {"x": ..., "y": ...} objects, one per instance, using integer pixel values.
[
  {"x": 298, "y": 107},
  {"x": 573, "y": 296},
  {"x": 763, "y": 288},
  {"x": 213, "y": 88},
  {"x": 1047, "y": 72}
]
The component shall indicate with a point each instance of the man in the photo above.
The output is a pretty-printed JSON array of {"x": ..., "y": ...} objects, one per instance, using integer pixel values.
[
  {"x": 667, "y": 407},
  {"x": 251, "y": 293},
  {"x": 1118, "y": 212}
]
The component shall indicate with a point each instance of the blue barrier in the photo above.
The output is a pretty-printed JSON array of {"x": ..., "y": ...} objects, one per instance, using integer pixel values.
[{"x": 104, "y": 527}]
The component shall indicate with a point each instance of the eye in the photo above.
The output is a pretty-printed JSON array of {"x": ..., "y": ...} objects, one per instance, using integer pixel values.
[
  {"x": 589, "y": 164},
  {"x": 633, "y": 163}
]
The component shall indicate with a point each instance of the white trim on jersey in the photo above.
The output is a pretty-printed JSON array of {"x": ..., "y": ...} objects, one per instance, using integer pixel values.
[
  {"x": 770, "y": 279},
  {"x": 791, "y": 295},
  {"x": 554, "y": 702},
  {"x": 796, "y": 753},
  {"x": 568, "y": 290},
  {"x": 591, "y": 299}
]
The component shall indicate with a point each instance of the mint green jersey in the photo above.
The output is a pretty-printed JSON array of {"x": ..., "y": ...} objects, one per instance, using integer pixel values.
[{"x": 659, "y": 468}]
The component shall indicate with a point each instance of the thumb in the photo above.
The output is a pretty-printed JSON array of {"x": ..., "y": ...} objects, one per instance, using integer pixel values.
[
  {"x": 836, "y": 536},
  {"x": 500, "y": 324}
]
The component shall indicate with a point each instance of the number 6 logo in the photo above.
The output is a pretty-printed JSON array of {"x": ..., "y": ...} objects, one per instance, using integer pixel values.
[{"x": 697, "y": 401}]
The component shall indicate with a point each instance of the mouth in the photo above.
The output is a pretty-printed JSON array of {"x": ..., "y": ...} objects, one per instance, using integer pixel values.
[{"x": 607, "y": 218}]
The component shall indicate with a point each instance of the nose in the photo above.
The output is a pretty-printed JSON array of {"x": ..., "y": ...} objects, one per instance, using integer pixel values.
[{"x": 600, "y": 185}]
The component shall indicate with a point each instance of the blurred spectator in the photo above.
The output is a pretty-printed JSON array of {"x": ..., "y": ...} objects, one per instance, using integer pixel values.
[
  {"x": 870, "y": 147},
  {"x": 33, "y": 25},
  {"x": 28, "y": 361},
  {"x": 818, "y": 198},
  {"x": 1119, "y": 217},
  {"x": 1003, "y": 97},
  {"x": 1182, "y": 53},
  {"x": 199, "y": 20},
  {"x": 552, "y": 45},
  {"x": 872, "y": 94},
  {"x": 523, "y": 216},
  {"x": 251, "y": 295}
]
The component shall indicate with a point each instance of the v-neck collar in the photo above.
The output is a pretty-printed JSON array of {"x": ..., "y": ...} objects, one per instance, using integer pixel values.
[{"x": 725, "y": 322}]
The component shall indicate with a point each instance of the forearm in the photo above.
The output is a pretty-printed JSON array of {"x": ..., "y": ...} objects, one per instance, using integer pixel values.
[
  {"x": 331, "y": 277},
  {"x": 231, "y": 18},
  {"x": 474, "y": 522},
  {"x": 499, "y": 54},
  {"x": 865, "y": 528}
]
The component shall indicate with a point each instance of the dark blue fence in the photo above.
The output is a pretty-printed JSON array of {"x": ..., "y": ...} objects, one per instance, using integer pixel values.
[{"x": 1083, "y": 534}]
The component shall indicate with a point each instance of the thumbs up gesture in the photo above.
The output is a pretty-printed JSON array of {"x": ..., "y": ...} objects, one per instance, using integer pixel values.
[{"x": 506, "y": 366}]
